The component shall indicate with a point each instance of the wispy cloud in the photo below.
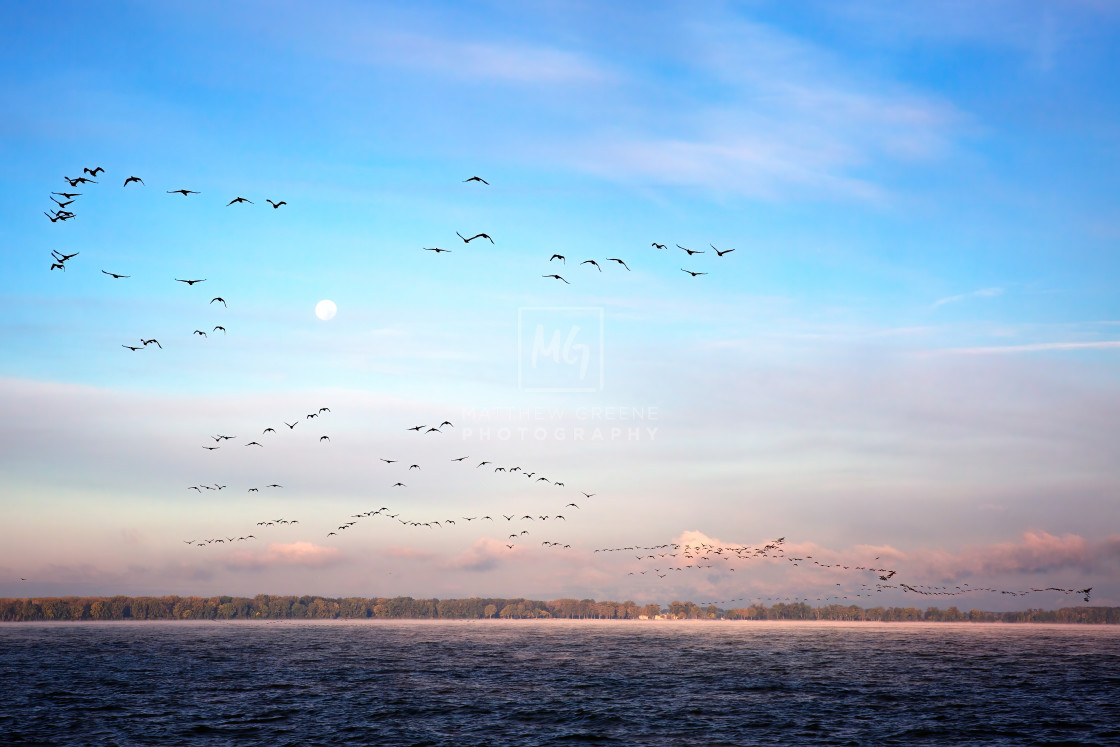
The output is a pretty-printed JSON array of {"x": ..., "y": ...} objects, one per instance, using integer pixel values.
[
  {"x": 486, "y": 554},
  {"x": 1034, "y": 347},
  {"x": 789, "y": 117},
  {"x": 306, "y": 554},
  {"x": 982, "y": 293},
  {"x": 358, "y": 34}
]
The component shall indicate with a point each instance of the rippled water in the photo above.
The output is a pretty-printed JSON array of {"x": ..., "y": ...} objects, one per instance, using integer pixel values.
[{"x": 557, "y": 682}]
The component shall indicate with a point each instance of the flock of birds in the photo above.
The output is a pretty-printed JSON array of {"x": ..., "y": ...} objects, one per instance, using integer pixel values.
[
  {"x": 59, "y": 260},
  {"x": 409, "y": 521},
  {"x": 667, "y": 558},
  {"x": 564, "y": 260}
]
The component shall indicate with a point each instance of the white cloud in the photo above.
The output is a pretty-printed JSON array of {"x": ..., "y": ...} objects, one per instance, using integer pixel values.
[
  {"x": 982, "y": 293},
  {"x": 1035, "y": 347}
]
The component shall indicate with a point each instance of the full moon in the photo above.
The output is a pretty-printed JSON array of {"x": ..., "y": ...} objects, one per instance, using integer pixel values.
[{"x": 325, "y": 310}]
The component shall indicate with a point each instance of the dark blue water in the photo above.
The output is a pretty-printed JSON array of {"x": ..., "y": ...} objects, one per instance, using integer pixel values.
[{"x": 548, "y": 683}]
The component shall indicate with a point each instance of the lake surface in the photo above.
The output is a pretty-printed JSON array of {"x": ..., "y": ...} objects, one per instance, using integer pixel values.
[{"x": 557, "y": 682}]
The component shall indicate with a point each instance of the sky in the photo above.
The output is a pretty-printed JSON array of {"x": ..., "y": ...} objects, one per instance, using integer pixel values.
[{"x": 909, "y": 360}]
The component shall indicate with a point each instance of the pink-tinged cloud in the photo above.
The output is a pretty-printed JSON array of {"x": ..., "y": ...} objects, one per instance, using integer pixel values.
[
  {"x": 305, "y": 554},
  {"x": 1037, "y": 552},
  {"x": 486, "y": 554}
]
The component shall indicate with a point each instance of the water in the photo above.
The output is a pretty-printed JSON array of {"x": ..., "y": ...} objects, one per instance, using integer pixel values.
[{"x": 557, "y": 682}]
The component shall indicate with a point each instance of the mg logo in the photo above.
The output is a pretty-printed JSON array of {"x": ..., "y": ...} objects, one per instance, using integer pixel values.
[{"x": 560, "y": 349}]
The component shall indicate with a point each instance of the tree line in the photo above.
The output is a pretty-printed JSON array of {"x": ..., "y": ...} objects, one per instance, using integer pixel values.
[{"x": 273, "y": 607}]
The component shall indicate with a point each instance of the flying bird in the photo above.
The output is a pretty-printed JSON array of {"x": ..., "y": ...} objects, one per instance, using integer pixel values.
[
  {"x": 275, "y": 204},
  {"x": 190, "y": 282},
  {"x": 291, "y": 426},
  {"x": 131, "y": 347},
  {"x": 555, "y": 276},
  {"x": 115, "y": 276},
  {"x": 659, "y": 246},
  {"x": 268, "y": 430},
  {"x": 183, "y": 192},
  {"x": 324, "y": 438},
  {"x": 149, "y": 342},
  {"x": 67, "y": 195},
  {"x": 253, "y": 443},
  {"x": 437, "y": 250},
  {"x": 476, "y": 236},
  {"x": 693, "y": 274},
  {"x": 476, "y": 179},
  {"x": 200, "y": 332},
  {"x": 239, "y": 199},
  {"x": 93, "y": 171},
  {"x": 219, "y": 298},
  {"x": 719, "y": 253},
  {"x": 63, "y": 257},
  {"x": 219, "y": 327},
  {"x": 131, "y": 179},
  {"x": 612, "y": 259},
  {"x": 592, "y": 262}
]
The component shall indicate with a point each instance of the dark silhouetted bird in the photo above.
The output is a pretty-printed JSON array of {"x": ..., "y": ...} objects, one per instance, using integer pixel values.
[{"x": 476, "y": 236}]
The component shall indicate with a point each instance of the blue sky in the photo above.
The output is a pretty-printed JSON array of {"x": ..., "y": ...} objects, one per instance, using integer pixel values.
[{"x": 912, "y": 349}]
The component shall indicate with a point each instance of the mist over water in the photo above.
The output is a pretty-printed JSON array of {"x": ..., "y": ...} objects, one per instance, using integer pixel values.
[{"x": 557, "y": 682}]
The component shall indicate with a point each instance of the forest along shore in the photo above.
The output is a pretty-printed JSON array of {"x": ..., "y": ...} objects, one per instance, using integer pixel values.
[{"x": 265, "y": 607}]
